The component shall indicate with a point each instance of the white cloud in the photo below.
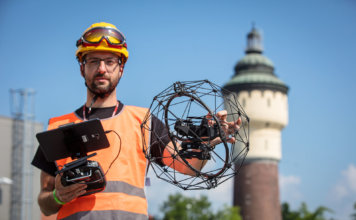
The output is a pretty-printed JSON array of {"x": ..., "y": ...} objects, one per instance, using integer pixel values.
[
  {"x": 346, "y": 186},
  {"x": 339, "y": 191},
  {"x": 350, "y": 177},
  {"x": 288, "y": 181},
  {"x": 342, "y": 195},
  {"x": 289, "y": 190}
]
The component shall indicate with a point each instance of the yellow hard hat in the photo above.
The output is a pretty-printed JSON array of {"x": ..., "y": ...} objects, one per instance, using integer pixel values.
[{"x": 102, "y": 37}]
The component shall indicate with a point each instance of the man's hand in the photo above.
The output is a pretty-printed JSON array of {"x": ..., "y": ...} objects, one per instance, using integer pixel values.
[
  {"x": 229, "y": 128},
  {"x": 68, "y": 193},
  {"x": 65, "y": 194}
]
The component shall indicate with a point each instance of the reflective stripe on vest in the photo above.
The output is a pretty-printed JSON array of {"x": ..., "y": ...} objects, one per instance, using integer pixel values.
[
  {"x": 105, "y": 202},
  {"x": 114, "y": 215},
  {"x": 118, "y": 186},
  {"x": 124, "y": 192}
]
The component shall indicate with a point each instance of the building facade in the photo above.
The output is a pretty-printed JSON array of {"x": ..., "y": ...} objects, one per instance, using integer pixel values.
[
  {"x": 18, "y": 199},
  {"x": 264, "y": 98}
]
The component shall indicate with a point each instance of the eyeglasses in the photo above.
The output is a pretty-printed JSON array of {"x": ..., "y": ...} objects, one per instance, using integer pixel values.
[
  {"x": 110, "y": 63},
  {"x": 95, "y": 36}
]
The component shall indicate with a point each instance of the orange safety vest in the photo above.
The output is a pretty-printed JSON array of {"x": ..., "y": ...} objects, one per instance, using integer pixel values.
[{"x": 124, "y": 196}]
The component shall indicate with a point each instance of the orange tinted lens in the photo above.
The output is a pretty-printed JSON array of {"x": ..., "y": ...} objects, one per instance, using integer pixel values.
[{"x": 96, "y": 34}]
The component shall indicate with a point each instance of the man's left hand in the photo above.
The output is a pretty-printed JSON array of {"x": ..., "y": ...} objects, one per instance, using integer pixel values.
[{"x": 229, "y": 128}]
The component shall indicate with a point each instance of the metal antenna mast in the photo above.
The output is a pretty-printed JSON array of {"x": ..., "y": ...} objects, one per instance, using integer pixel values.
[{"x": 22, "y": 110}]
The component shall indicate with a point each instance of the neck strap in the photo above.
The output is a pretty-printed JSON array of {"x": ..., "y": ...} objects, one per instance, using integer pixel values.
[{"x": 89, "y": 110}]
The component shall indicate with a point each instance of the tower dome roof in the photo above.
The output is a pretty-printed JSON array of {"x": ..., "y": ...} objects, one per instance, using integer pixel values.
[
  {"x": 254, "y": 59},
  {"x": 255, "y": 80}
]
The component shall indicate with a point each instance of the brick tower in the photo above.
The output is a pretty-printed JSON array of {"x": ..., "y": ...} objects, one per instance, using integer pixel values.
[{"x": 264, "y": 98}]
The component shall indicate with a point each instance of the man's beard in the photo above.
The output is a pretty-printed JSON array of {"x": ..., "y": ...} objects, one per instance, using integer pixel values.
[{"x": 102, "y": 91}]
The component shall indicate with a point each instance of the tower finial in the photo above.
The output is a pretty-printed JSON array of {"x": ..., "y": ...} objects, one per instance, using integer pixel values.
[{"x": 254, "y": 41}]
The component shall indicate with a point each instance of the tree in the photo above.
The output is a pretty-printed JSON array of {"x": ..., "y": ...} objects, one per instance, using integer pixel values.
[
  {"x": 303, "y": 213},
  {"x": 287, "y": 214},
  {"x": 190, "y": 208},
  {"x": 229, "y": 213},
  {"x": 353, "y": 216}
]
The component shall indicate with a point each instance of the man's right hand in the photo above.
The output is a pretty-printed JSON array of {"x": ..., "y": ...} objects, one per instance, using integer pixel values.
[{"x": 68, "y": 193}]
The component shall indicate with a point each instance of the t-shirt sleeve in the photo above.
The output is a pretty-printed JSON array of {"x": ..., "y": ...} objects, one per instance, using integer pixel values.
[
  {"x": 40, "y": 161},
  {"x": 159, "y": 139}
]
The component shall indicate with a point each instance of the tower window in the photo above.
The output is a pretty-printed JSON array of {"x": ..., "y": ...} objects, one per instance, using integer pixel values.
[{"x": 269, "y": 102}]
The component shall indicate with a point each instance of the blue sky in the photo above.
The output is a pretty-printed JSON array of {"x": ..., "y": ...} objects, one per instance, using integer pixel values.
[{"x": 311, "y": 43}]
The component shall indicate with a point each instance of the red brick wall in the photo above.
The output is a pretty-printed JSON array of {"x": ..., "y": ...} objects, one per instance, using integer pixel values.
[{"x": 256, "y": 191}]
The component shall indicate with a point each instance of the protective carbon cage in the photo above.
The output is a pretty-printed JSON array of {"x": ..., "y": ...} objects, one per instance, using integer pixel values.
[{"x": 199, "y": 155}]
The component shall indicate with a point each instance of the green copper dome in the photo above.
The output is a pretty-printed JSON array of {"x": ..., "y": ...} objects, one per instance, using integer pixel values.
[{"x": 254, "y": 59}]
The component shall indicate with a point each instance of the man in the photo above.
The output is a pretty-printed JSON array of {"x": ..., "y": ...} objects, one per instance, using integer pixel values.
[{"x": 102, "y": 53}]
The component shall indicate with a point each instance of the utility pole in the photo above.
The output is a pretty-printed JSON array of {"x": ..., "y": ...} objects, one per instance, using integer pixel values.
[{"x": 22, "y": 110}]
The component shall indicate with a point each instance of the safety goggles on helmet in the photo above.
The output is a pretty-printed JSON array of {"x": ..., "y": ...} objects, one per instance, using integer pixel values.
[{"x": 95, "y": 36}]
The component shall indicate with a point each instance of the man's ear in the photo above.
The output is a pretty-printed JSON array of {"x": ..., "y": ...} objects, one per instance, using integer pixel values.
[
  {"x": 122, "y": 69},
  {"x": 82, "y": 70}
]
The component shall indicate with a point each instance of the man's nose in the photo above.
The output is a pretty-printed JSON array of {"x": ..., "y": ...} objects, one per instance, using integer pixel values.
[{"x": 102, "y": 67}]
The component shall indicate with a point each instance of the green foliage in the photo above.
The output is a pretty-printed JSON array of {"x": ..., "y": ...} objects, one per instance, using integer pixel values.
[
  {"x": 353, "y": 216},
  {"x": 303, "y": 213},
  {"x": 190, "y": 208},
  {"x": 229, "y": 213}
]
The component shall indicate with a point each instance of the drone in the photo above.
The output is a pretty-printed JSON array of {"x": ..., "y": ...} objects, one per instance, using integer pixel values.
[{"x": 198, "y": 154}]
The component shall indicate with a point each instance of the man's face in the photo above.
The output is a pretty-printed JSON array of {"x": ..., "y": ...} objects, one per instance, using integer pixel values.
[{"x": 102, "y": 72}]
